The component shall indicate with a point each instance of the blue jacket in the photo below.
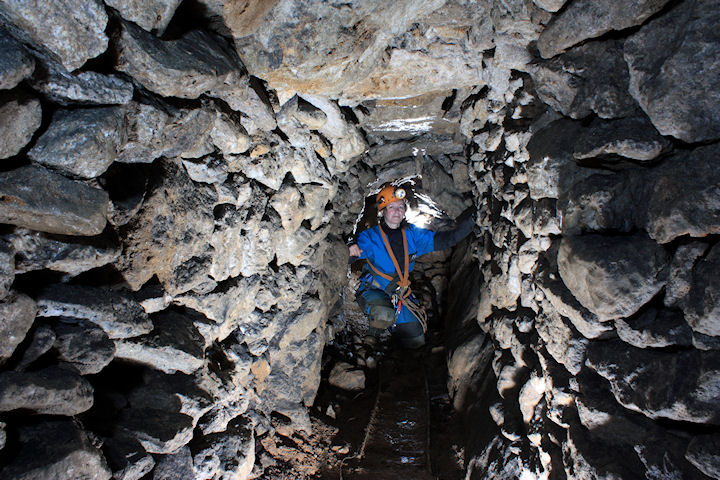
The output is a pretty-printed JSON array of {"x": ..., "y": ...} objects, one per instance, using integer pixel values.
[{"x": 420, "y": 241}]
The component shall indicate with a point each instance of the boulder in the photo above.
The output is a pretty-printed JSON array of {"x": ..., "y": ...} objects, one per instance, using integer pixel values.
[
  {"x": 228, "y": 454},
  {"x": 26, "y": 114},
  {"x": 38, "y": 199},
  {"x": 70, "y": 39},
  {"x": 126, "y": 457},
  {"x": 152, "y": 15},
  {"x": 40, "y": 342},
  {"x": 51, "y": 391},
  {"x": 562, "y": 340},
  {"x": 7, "y": 267},
  {"x": 680, "y": 274},
  {"x": 612, "y": 276},
  {"x": 590, "y": 78},
  {"x": 81, "y": 88},
  {"x": 82, "y": 143},
  {"x": 639, "y": 379},
  {"x": 174, "y": 345},
  {"x": 17, "y": 311},
  {"x": 631, "y": 137},
  {"x": 655, "y": 329},
  {"x": 703, "y": 453},
  {"x": 55, "y": 449},
  {"x": 87, "y": 347},
  {"x": 584, "y": 19},
  {"x": 673, "y": 64},
  {"x": 71, "y": 255},
  {"x": 168, "y": 236},
  {"x": 158, "y": 431},
  {"x": 174, "y": 466},
  {"x": 15, "y": 62},
  {"x": 702, "y": 304}
]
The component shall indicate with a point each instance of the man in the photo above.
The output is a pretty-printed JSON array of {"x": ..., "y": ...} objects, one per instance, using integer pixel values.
[{"x": 390, "y": 249}]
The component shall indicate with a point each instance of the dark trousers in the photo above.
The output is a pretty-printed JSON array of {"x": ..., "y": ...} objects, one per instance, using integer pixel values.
[{"x": 377, "y": 304}]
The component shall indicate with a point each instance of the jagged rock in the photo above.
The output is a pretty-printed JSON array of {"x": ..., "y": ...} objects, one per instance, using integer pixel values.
[
  {"x": 702, "y": 306},
  {"x": 3, "y": 434},
  {"x": 530, "y": 395},
  {"x": 230, "y": 453},
  {"x": 52, "y": 391},
  {"x": 126, "y": 457},
  {"x": 18, "y": 313},
  {"x": 174, "y": 466},
  {"x": 585, "y": 19},
  {"x": 229, "y": 136},
  {"x": 612, "y": 276},
  {"x": 550, "y": 5},
  {"x": 86, "y": 347},
  {"x": 631, "y": 137},
  {"x": 42, "y": 340},
  {"x": 157, "y": 430},
  {"x": 655, "y": 329},
  {"x": 38, "y": 199},
  {"x": 589, "y": 78},
  {"x": 551, "y": 169},
  {"x": 672, "y": 62},
  {"x": 71, "y": 255},
  {"x": 152, "y": 15},
  {"x": 563, "y": 301},
  {"x": 26, "y": 114},
  {"x": 674, "y": 199},
  {"x": 207, "y": 170},
  {"x": 586, "y": 457},
  {"x": 7, "y": 268},
  {"x": 680, "y": 276},
  {"x": 153, "y": 298},
  {"x": 168, "y": 235},
  {"x": 15, "y": 63},
  {"x": 81, "y": 142},
  {"x": 55, "y": 449},
  {"x": 113, "y": 310},
  {"x": 347, "y": 377},
  {"x": 174, "y": 345},
  {"x": 83, "y": 88},
  {"x": 197, "y": 63},
  {"x": 69, "y": 39},
  {"x": 703, "y": 453},
  {"x": 640, "y": 379},
  {"x": 562, "y": 341}
]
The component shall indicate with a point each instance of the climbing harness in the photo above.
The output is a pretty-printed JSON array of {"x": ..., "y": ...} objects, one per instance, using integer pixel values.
[{"x": 401, "y": 293}]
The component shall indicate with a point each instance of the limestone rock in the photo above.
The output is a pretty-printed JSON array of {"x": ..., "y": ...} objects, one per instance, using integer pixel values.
[
  {"x": 632, "y": 137},
  {"x": 639, "y": 380},
  {"x": 158, "y": 431},
  {"x": 18, "y": 313},
  {"x": 71, "y": 255},
  {"x": 7, "y": 267},
  {"x": 52, "y": 391},
  {"x": 562, "y": 341},
  {"x": 83, "y": 88},
  {"x": 152, "y": 15},
  {"x": 81, "y": 142},
  {"x": 612, "y": 276},
  {"x": 585, "y": 19},
  {"x": 55, "y": 449},
  {"x": 38, "y": 199},
  {"x": 206, "y": 170},
  {"x": 15, "y": 63},
  {"x": 347, "y": 377},
  {"x": 703, "y": 453},
  {"x": 70, "y": 38},
  {"x": 550, "y": 5},
  {"x": 174, "y": 466},
  {"x": 167, "y": 237},
  {"x": 114, "y": 311},
  {"x": 702, "y": 306},
  {"x": 673, "y": 61},
  {"x": 589, "y": 78},
  {"x": 229, "y": 136},
  {"x": 174, "y": 345},
  {"x": 680, "y": 274},
  {"x": 86, "y": 347},
  {"x": 230, "y": 453},
  {"x": 41, "y": 341},
  {"x": 126, "y": 457},
  {"x": 26, "y": 114},
  {"x": 655, "y": 329}
]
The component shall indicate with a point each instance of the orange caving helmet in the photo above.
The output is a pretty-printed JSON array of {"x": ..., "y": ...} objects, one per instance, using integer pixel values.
[{"x": 388, "y": 195}]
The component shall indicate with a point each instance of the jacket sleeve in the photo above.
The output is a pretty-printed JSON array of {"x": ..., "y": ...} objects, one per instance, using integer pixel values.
[
  {"x": 450, "y": 238},
  {"x": 423, "y": 239}
]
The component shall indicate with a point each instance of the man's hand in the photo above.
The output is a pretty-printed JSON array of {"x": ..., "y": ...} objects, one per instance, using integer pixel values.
[{"x": 355, "y": 251}]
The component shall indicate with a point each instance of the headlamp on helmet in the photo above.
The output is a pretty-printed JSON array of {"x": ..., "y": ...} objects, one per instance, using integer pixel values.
[{"x": 389, "y": 195}]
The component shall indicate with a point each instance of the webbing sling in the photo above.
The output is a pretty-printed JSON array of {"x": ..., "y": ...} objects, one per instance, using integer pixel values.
[{"x": 403, "y": 281}]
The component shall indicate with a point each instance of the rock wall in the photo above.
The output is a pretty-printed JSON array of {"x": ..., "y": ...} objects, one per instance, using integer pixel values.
[{"x": 592, "y": 350}]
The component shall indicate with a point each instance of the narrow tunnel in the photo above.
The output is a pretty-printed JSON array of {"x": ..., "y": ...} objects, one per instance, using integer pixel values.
[{"x": 181, "y": 179}]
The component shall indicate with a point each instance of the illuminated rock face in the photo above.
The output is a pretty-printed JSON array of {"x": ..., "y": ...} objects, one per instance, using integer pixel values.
[{"x": 179, "y": 180}]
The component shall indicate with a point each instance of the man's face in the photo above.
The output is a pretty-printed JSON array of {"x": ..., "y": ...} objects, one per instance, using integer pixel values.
[{"x": 394, "y": 213}]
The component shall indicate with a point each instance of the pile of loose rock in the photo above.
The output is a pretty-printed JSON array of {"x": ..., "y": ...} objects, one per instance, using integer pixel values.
[{"x": 597, "y": 281}]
